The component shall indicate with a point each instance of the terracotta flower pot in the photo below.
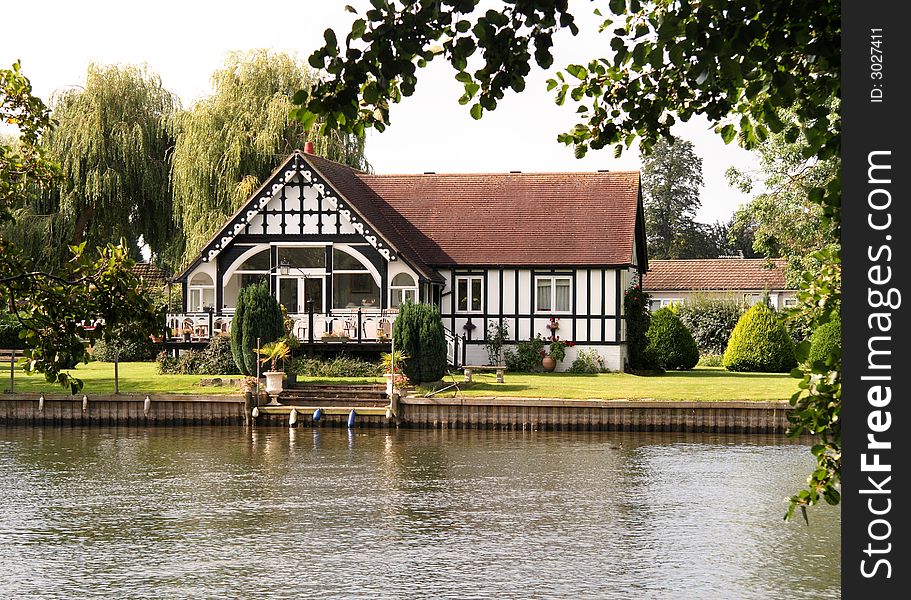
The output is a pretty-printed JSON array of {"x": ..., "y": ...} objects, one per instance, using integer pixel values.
[{"x": 548, "y": 363}]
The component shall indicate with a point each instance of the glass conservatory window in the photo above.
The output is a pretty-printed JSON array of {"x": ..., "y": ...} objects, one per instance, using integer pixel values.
[
  {"x": 353, "y": 285},
  {"x": 201, "y": 292}
]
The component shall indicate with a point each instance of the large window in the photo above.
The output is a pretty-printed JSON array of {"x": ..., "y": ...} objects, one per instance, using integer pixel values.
[
  {"x": 305, "y": 257},
  {"x": 402, "y": 289},
  {"x": 553, "y": 294},
  {"x": 201, "y": 292},
  {"x": 469, "y": 294},
  {"x": 353, "y": 285},
  {"x": 253, "y": 269}
]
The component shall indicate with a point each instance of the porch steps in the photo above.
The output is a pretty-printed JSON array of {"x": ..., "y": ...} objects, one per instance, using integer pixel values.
[{"x": 354, "y": 396}]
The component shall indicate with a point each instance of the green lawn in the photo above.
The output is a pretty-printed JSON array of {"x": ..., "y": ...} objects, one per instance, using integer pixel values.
[
  {"x": 702, "y": 383},
  {"x": 138, "y": 377}
]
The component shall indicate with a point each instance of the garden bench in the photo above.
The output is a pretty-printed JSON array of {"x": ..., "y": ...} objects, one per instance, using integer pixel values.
[
  {"x": 13, "y": 355},
  {"x": 469, "y": 369}
]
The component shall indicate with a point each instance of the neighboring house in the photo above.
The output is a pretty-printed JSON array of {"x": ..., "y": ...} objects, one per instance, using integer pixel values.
[
  {"x": 153, "y": 275},
  {"x": 744, "y": 279},
  {"x": 342, "y": 250}
]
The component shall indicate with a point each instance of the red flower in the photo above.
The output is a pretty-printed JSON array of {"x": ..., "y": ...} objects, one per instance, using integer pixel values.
[{"x": 571, "y": 344}]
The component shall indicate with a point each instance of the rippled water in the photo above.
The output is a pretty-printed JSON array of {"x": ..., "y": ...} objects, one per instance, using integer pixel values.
[{"x": 225, "y": 512}]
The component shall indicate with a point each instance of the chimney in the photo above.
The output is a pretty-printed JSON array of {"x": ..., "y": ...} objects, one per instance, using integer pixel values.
[{"x": 308, "y": 147}]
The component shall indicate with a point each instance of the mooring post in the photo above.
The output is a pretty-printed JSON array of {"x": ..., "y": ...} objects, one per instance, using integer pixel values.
[{"x": 248, "y": 407}]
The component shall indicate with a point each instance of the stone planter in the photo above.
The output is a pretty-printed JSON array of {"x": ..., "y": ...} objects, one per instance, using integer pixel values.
[
  {"x": 548, "y": 364},
  {"x": 274, "y": 382}
]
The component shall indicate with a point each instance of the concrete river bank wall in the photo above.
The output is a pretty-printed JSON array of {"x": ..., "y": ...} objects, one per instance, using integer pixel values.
[{"x": 416, "y": 412}]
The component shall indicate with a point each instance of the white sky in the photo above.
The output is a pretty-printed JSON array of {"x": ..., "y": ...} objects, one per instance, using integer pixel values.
[{"x": 184, "y": 42}]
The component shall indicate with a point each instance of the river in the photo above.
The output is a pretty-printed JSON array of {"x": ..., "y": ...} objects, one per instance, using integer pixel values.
[{"x": 216, "y": 512}]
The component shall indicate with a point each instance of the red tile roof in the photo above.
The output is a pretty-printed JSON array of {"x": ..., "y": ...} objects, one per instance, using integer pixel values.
[
  {"x": 498, "y": 218},
  {"x": 151, "y": 274},
  {"x": 715, "y": 274}
]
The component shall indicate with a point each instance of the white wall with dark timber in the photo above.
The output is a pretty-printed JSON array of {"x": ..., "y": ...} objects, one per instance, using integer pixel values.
[{"x": 592, "y": 320}]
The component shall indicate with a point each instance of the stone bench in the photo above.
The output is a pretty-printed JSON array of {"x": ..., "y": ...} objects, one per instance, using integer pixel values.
[{"x": 469, "y": 369}]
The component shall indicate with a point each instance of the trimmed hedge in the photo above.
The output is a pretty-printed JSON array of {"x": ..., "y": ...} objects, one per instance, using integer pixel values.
[
  {"x": 825, "y": 340},
  {"x": 760, "y": 343},
  {"x": 711, "y": 321},
  {"x": 670, "y": 342},
  {"x": 339, "y": 366}
]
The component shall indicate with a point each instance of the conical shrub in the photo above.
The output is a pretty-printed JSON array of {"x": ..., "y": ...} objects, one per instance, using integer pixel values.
[
  {"x": 257, "y": 315},
  {"x": 760, "y": 343},
  {"x": 670, "y": 342}
]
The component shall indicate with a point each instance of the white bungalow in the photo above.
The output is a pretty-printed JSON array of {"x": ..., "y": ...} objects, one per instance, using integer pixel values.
[
  {"x": 747, "y": 280},
  {"x": 342, "y": 250}
]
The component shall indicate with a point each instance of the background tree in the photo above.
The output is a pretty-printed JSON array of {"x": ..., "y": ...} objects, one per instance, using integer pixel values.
[
  {"x": 783, "y": 222},
  {"x": 739, "y": 63},
  {"x": 112, "y": 144},
  {"x": 231, "y": 141},
  {"x": 51, "y": 307},
  {"x": 671, "y": 178}
]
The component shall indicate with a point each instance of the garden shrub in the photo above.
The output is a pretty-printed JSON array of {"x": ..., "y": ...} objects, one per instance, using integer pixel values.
[
  {"x": 497, "y": 335},
  {"x": 670, "y": 342},
  {"x": 257, "y": 315},
  {"x": 825, "y": 340},
  {"x": 217, "y": 358},
  {"x": 338, "y": 366},
  {"x": 711, "y": 321},
  {"x": 760, "y": 343},
  {"x": 166, "y": 365},
  {"x": 418, "y": 333},
  {"x": 710, "y": 360},
  {"x": 214, "y": 359},
  {"x": 9, "y": 333},
  {"x": 526, "y": 357},
  {"x": 130, "y": 350},
  {"x": 635, "y": 307},
  {"x": 588, "y": 361}
]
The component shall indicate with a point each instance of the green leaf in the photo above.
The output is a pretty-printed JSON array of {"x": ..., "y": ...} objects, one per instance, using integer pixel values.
[
  {"x": 476, "y": 111},
  {"x": 727, "y": 133}
]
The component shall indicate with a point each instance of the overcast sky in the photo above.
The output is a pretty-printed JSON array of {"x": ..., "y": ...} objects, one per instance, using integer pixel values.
[{"x": 184, "y": 42}]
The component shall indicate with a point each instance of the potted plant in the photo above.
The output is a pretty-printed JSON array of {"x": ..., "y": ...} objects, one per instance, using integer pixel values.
[
  {"x": 272, "y": 353},
  {"x": 557, "y": 352},
  {"x": 392, "y": 370}
]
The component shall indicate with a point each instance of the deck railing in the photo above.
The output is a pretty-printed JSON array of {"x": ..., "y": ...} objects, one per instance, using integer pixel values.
[{"x": 342, "y": 325}]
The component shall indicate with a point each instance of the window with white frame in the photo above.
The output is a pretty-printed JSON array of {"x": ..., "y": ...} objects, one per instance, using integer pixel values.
[
  {"x": 201, "y": 292},
  {"x": 469, "y": 293},
  {"x": 402, "y": 289},
  {"x": 790, "y": 302},
  {"x": 657, "y": 303},
  {"x": 553, "y": 294}
]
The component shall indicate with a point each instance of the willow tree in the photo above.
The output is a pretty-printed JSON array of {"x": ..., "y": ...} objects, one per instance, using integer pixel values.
[
  {"x": 112, "y": 144},
  {"x": 231, "y": 141}
]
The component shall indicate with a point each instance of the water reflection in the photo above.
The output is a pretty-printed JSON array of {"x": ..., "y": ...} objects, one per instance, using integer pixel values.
[{"x": 215, "y": 512}]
